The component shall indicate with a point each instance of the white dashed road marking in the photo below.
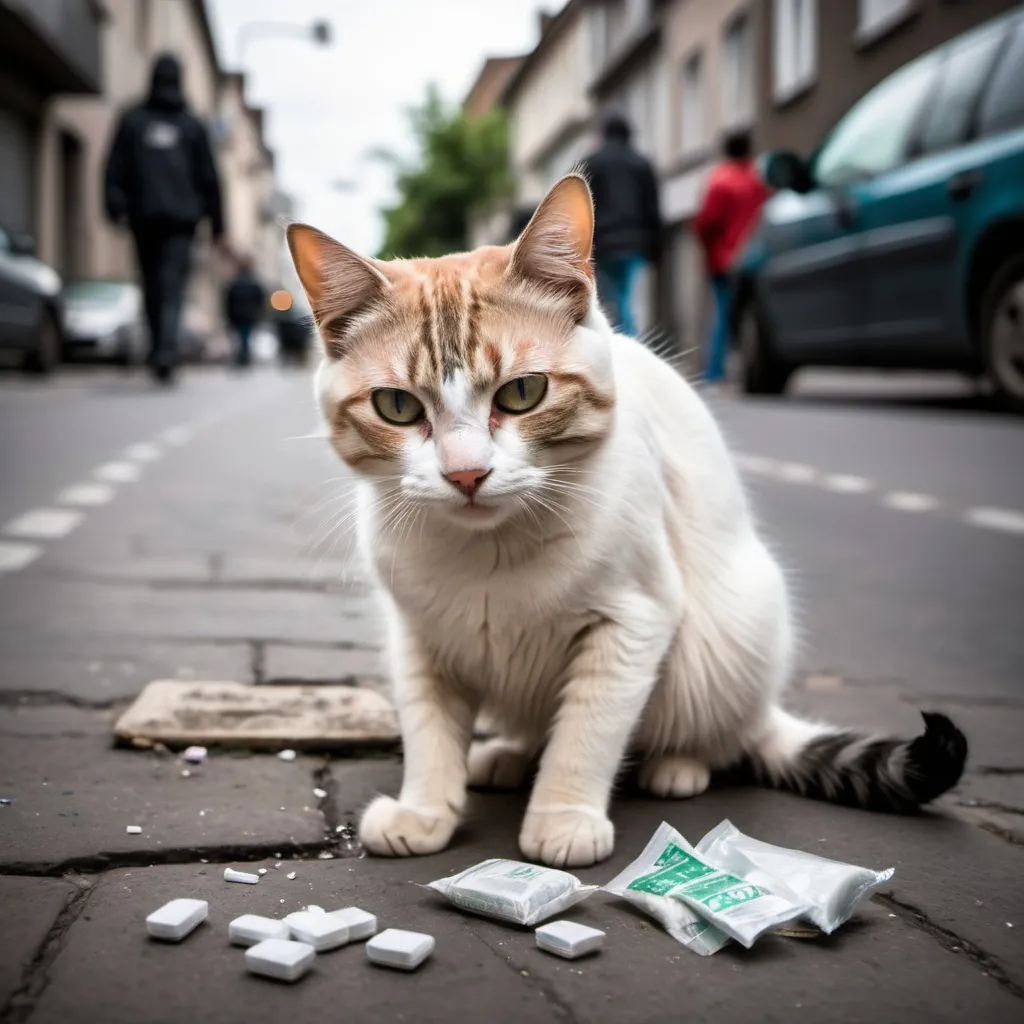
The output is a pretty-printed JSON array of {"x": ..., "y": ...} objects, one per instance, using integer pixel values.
[
  {"x": 117, "y": 472},
  {"x": 910, "y": 501},
  {"x": 16, "y": 556},
  {"x": 44, "y": 523},
  {"x": 142, "y": 452},
  {"x": 845, "y": 483},
  {"x": 795, "y": 472},
  {"x": 86, "y": 495},
  {"x": 176, "y": 435},
  {"x": 1003, "y": 519}
]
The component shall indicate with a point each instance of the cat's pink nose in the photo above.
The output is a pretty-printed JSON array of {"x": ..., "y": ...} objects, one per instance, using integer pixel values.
[{"x": 468, "y": 480}]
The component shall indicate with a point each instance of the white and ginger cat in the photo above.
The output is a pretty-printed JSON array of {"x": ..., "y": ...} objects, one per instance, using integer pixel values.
[{"x": 563, "y": 544}]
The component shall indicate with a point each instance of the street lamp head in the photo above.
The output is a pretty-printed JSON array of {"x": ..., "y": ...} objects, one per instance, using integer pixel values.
[{"x": 321, "y": 32}]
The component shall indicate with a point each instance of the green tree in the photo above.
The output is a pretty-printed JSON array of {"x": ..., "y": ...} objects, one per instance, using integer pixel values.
[{"x": 461, "y": 167}]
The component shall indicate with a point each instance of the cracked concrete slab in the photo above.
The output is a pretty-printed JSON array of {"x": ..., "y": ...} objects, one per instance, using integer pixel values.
[
  {"x": 879, "y": 968},
  {"x": 30, "y": 907},
  {"x": 72, "y": 807},
  {"x": 963, "y": 878}
]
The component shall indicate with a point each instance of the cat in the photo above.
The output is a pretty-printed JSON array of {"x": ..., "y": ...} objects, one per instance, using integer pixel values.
[{"x": 562, "y": 543}]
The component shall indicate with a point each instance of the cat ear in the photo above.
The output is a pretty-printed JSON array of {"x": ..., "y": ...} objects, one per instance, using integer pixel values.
[
  {"x": 339, "y": 283},
  {"x": 554, "y": 249}
]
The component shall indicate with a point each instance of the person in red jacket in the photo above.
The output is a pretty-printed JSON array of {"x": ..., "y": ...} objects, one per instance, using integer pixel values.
[{"x": 732, "y": 202}]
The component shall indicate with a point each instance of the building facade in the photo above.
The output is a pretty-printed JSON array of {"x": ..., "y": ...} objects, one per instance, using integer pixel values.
[{"x": 47, "y": 48}]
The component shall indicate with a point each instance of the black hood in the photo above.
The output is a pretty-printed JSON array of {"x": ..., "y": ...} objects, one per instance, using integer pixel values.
[{"x": 165, "y": 90}]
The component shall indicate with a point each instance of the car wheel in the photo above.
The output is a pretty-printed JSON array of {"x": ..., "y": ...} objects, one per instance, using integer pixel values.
[
  {"x": 45, "y": 357},
  {"x": 762, "y": 372},
  {"x": 1002, "y": 332}
]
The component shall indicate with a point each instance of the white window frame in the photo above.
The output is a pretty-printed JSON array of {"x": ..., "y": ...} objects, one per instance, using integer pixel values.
[
  {"x": 693, "y": 104},
  {"x": 738, "y": 73},
  {"x": 876, "y": 18},
  {"x": 794, "y": 47}
]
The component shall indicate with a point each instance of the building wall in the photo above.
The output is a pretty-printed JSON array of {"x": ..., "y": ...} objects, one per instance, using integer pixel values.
[
  {"x": 848, "y": 66},
  {"x": 493, "y": 77},
  {"x": 550, "y": 111}
]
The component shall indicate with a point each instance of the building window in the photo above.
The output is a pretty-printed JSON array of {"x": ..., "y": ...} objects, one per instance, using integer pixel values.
[
  {"x": 795, "y": 51},
  {"x": 876, "y": 17},
  {"x": 693, "y": 103},
  {"x": 738, "y": 74}
]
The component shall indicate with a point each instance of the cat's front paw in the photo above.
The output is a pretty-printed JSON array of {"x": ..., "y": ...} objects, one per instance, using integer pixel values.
[
  {"x": 674, "y": 775},
  {"x": 391, "y": 829},
  {"x": 566, "y": 838}
]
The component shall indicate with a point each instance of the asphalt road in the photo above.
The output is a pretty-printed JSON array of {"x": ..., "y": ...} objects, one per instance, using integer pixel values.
[{"x": 896, "y": 505}]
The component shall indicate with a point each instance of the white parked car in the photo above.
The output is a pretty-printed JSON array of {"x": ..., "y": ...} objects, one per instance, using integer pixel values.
[{"x": 105, "y": 320}]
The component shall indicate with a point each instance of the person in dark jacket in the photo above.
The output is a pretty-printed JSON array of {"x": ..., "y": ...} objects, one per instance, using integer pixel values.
[
  {"x": 244, "y": 306},
  {"x": 627, "y": 224},
  {"x": 161, "y": 181}
]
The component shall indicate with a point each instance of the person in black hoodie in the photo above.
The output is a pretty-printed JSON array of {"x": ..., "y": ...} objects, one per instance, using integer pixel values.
[
  {"x": 627, "y": 224},
  {"x": 244, "y": 305},
  {"x": 161, "y": 181}
]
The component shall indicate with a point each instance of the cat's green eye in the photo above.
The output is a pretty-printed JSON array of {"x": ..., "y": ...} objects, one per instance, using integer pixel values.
[
  {"x": 398, "y": 407},
  {"x": 521, "y": 394}
]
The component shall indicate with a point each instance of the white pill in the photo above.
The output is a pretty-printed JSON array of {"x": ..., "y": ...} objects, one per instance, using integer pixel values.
[
  {"x": 133, "y": 830},
  {"x": 194, "y": 755},
  {"x": 279, "y": 958},
  {"x": 261, "y": 871},
  {"x": 569, "y": 939},
  {"x": 249, "y": 929},
  {"x": 174, "y": 920},
  {"x": 394, "y": 947},
  {"x": 231, "y": 875},
  {"x": 321, "y": 931},
  {"x": 286, "y": 755},
  {"x": 360, "y": 924},
  {"x": 290, "y": 875}
]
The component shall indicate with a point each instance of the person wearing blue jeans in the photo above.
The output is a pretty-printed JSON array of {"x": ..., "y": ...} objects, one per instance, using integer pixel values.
[
  {"x": 718, "y": 350},
  {"x": 627, "y": 225},
  {"x": 616, "y": 281}
]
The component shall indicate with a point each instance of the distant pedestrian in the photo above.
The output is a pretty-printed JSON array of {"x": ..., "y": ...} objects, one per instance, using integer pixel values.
[
  {"x": 627, "y": 224},
  {"x": 244, "y": 306},
  {"x": 161, "y": 181},
  {"x": 729, "y": 210}
]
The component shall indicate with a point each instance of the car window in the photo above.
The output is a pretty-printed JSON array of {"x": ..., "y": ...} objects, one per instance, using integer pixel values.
[
  {"x": 873, "y": 137},
  {"x": 1003, "y": 105},
  {"x": 952, "y": 105},
  {"x": 98, "y": 292}
]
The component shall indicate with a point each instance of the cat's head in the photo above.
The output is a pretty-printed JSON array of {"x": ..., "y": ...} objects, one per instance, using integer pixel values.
[{"x": 471, "y": 380}]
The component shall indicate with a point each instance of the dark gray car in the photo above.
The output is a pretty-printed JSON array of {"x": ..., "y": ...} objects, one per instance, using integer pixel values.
[{"x": 30, "y": 304}]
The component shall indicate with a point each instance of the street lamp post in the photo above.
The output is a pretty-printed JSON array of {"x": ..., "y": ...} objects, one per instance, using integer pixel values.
[{"x": 318, "y": 32}]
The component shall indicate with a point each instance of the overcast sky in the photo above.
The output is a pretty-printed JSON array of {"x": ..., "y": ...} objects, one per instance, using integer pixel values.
[{"x": 326, "y": 107}]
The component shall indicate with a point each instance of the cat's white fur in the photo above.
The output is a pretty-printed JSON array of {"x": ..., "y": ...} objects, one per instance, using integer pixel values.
[{"x": 632, "y": 610}]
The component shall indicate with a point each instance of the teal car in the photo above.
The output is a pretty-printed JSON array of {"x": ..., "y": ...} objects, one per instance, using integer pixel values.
[{"x": 900, "y": 242}]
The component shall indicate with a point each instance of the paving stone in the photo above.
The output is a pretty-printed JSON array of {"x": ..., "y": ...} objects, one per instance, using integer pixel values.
[
  {"x": 98, "y": 668},
  {"x": 361, "y": 666},
  {"x": 340, "y": 574},
  {"x": 151, "y": 569},
  {"x": 231, "y": 714},
  {"x": 877, "y": 969},
  {"x": 964, "y": 879},
  {"x": 30, "y": 907},
  {"x": 58, "y": 611},
  {"x": 72, "y": 800}
]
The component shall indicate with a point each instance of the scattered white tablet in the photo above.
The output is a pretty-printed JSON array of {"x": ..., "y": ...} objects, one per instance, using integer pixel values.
[
  {"x": 394, "y": 947},
  {"x": 250, "y": 929},
  {"x": 360, "y": 924},
  {"x": 279, "y": 958},
  {"x": 321, "y": 931},
  {"x": 569, "y": 939},
  {"x": 174, "y": 920},
  {"x": 231, "y": 875}
]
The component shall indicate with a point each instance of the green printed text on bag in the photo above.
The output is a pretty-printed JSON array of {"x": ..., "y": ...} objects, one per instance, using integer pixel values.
[{"x": 679, "y": 870}]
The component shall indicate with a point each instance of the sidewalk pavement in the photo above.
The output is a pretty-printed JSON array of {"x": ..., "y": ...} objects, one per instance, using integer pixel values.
[{"x": 221, "y": 595}]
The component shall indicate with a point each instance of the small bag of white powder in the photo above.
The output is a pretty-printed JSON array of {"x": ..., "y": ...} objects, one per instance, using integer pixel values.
[
  {"x": 699, "y": 904},
  {"x": 829, "y": 889},
  {"x": 510, "y": 890}
]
